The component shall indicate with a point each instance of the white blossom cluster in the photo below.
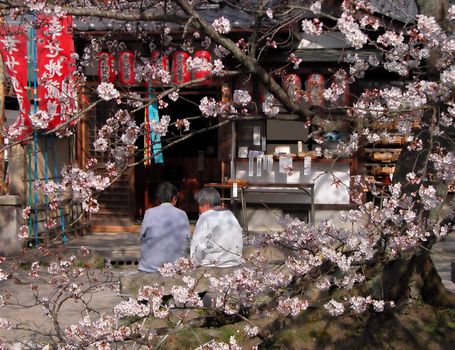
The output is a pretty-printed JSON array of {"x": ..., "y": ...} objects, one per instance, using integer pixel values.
[
  {"x": 161, "y": 127},
  {"x": 198, "y": 63},
  {"x": 337, "y": 87},
  {"x": 214, "y": 345},
  {"x": 241, "y": 97},
  {"x": 209, "y": 107},
  {"x": 444, "y": 165},
  {"x": 270, "y": 106},
  {"x": 351, "y": 29},
  {"x": 222, "y": 25},
  {"x": 313, "y": 27},
  {"x": 291, "y": 306},
  {"x": 40, "y": 119},
  {"x": 107, "y": 91},
  {"x": 451, "y": 12}
]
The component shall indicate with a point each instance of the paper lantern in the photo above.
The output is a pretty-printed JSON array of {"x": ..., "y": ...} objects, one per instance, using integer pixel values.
[
  {"x": 126, "y": 68},
  {"x": 106, "y": 72},
  {"x": 161, "y": 62},
  {"x": 202, "y": 73},
  {"x": 293, "y": 86},
  {"x": 314, "y": 87},
  {"x": 180, "y": 73}
]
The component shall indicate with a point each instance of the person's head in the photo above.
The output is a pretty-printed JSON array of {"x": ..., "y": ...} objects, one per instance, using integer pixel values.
[
  {"x": 166, "y": 193},
  {"x": 207, "y": 198}
]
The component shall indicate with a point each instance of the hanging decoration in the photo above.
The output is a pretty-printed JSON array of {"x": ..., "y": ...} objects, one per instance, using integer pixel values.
[
  {"x": 106, "y": 71},
  {"x": 147, "y": 139},
  {"x": 203, "y": 73},
  {"x": 180, "y": 73},
  {"x": 293, "y": 86},
  {"x": 13, "y": 48},
  {"x": 126, "y": 68},
  {"x": 56, "y": 66},
  {"x": 226, "y": 91},
  {"x": 314, "y": 87},
  {"x": 153, "y": 139},
  {"x": 161, "y": 62}
]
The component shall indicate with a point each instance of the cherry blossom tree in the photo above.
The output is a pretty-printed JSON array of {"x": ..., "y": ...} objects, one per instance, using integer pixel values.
[{"x": 382, "y": 264}]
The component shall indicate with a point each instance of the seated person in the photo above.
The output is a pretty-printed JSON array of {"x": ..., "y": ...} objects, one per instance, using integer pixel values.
[
  {"x": 164, "y": 231},
  {"x": 217, "y": 239}
]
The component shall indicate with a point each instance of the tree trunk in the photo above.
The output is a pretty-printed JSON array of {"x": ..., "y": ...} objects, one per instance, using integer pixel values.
[{"x": 411, "y": 279}]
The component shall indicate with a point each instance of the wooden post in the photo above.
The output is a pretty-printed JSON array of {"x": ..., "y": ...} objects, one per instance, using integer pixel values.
[{"x": 2, "y": 124}]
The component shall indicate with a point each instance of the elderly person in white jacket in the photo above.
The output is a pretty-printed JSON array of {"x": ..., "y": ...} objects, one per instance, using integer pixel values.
[{"x": 217, "y": 239}]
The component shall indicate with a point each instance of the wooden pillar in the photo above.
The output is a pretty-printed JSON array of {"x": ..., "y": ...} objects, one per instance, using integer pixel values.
[
  {"x": 2, "y": 124},
  {"x": 82, "y": 139}
]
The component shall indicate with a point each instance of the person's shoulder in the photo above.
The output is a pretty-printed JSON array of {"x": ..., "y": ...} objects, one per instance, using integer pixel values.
[
  {"x": 225, "y": 212},
  {"x": 179, "y": 211},
  {"x": 150, "y": 211}
]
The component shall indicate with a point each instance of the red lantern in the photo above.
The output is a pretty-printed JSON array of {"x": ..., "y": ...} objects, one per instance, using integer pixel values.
[
  {"x": 106, "y": 72},
  {"x": 293, "y": 86},
  {"x": 314, "y": 87},
  {"x": 126, "y": 68},
  {"x": 202, "y": 73},
  {"x": 180, "y": 73},
  {"x": 161, "y": 62}
]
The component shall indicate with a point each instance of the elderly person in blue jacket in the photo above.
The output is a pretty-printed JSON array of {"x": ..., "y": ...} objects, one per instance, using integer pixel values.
[
  {"x": 164, "y": 231},
  {"x": 217, "y": 239}
]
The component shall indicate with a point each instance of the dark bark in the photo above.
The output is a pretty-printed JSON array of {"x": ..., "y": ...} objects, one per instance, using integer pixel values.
[{"x": 412, "y": 279}]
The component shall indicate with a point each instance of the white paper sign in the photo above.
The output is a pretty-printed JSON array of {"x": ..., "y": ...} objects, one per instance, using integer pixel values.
[
  {"x": 257, "y": 136},
  {"x": 269, "y": 163},
  {"x": 235, "y": 190},
  {"x": 259, "y": 167},
  {"x": 306, "y": 165},
  {"x": 243, "y": 152},
  {"x": 264, "y": 144},
  {"x": 250, "y": 166}
]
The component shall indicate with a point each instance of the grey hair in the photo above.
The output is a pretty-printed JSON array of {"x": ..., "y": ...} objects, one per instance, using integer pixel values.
[
  {"x": 208, "y": 196},
  {"x": 165, "y": 192}
]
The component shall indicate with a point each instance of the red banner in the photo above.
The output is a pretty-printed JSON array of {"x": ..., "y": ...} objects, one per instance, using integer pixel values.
[
  {"x": 55, "y": 68},
  {"x": 13, "y": 48}
]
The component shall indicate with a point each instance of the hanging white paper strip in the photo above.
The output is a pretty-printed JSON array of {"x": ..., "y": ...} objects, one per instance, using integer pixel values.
[
  {"x": 235, "y": 190},
  {"x": 270, "y": 163},
  {"x": 250, "y": 166}
]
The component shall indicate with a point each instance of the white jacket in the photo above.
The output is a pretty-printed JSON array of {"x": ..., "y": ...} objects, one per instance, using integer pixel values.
[{"x": 217, "y": 240}]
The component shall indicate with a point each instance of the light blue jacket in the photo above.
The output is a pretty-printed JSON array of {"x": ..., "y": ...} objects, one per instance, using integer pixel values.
[{"x": 164, "y": 236}]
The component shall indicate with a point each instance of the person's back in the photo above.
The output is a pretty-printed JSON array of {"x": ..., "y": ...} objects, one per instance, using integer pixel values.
[
  {"x": 164, "y": 234},
  {"x": 217, "y": 240}
]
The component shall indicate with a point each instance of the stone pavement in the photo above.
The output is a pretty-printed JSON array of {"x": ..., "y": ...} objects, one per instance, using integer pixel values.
[{"x": 123, "y": 249}]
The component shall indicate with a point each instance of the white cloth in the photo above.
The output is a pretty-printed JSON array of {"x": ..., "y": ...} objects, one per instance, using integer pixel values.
[{"x": 217, "y": 240}]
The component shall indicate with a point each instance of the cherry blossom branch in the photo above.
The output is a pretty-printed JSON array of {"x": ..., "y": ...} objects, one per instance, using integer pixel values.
[{"x": 248, "y": 62}]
